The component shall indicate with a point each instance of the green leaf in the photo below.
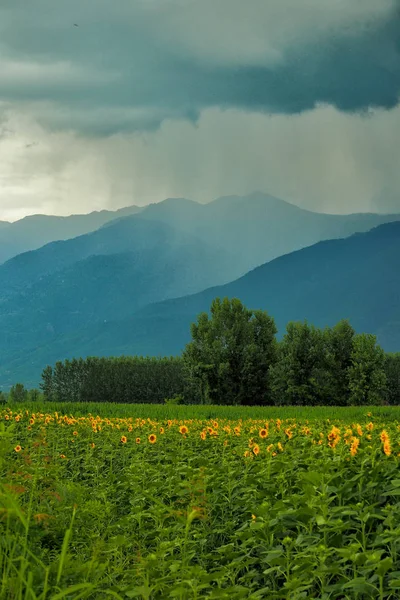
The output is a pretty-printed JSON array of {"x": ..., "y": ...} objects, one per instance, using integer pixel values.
[
  {"x": 313, "y": 477},
  {"x": 74, "y": 588},
  {"x": 384, "y": 566},
  {"x": 359, "y": 584}
]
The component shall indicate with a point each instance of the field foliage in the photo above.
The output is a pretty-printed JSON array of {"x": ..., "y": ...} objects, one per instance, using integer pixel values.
[{"x": 155, "y": 502}]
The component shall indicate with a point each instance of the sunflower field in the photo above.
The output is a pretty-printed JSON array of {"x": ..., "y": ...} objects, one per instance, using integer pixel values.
[{"x": 199, "y": 502}]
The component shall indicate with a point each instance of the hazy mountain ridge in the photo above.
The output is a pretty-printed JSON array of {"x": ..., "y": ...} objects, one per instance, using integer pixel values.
[
  {"x": 257, "y": 228},
  {"x": 35, "y": 231},
  {"x": 356, "y": 278},
  {"x": 253, "y": 229},
  {"x": 120, "y": 236}
]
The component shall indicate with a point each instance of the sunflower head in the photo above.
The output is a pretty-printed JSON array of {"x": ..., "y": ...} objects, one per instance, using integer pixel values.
[
  {"x": 152, "y": 438},
  {"x": 386, "y": 448}
]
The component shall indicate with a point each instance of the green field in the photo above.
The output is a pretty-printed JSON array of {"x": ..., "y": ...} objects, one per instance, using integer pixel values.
[
  {"x": 196, "y": 411},
  {"x": 187, "y": 502}
]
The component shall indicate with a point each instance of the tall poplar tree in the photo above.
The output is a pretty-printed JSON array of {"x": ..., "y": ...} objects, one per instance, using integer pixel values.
[{"x": 231, "y": 353}]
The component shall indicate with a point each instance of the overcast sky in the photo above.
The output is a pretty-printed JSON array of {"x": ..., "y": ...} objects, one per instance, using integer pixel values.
[{"x": 147, "y": 99}]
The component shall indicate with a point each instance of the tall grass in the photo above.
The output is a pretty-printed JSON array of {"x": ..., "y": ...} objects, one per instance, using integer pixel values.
[{"x": 164, "y": 411}]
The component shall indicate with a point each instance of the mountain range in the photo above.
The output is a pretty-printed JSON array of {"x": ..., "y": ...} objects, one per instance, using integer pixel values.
[
  {"x": 34, "y": 231},
  {"x": 116, "y": 290},
  {"x": 111, "y": 272},
  {"x": 257, "y": 228}
]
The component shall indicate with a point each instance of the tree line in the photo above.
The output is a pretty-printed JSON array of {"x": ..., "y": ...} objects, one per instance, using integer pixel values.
[
  {"x": 234, "y": 357},
  {"x": 127, "y": 379}
]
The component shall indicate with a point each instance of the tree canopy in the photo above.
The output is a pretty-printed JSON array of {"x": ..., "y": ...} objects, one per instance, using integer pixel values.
[{"x": 231, "y": 353}]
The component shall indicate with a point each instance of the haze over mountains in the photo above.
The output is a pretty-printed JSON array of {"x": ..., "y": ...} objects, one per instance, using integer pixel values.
[
  {"x": 355, "y": 278},
  {"x": 33, "y": 232},
  {"x": 253, "y": 229},
  {"x": 150, "y": 241},
  {"x": 259, "y": 227},
  {"x": 100, "y": 293}
]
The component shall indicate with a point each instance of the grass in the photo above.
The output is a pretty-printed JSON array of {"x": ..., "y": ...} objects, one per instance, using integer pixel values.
[
  {"x": 196, "y": 411},
  {"x": 189, "y": 502}
]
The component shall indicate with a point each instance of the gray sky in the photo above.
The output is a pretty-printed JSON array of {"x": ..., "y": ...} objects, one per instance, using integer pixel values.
[{"x": 147, "y": 99}]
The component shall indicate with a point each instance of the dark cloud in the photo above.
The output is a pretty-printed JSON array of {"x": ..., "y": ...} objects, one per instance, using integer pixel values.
[
  {"x": 137, "y": 65},
  {"x": 147, "y": 99}
]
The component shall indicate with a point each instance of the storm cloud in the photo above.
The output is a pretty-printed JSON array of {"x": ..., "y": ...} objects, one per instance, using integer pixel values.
[
  {"x": 104, "y": 103},
  {"x": 139, "y": 62}
]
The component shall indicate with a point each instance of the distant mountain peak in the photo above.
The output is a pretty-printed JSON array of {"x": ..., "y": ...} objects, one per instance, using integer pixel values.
[
  {"x": 178, "y": 200},
  {"x": 34, "y": 231},
  {"x": 173, "y": 203},
  {"x": 261, "y": 199}
]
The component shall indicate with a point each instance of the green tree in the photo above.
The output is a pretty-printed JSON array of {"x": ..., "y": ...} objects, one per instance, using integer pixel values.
[
  {"x": 230, "y": 355},
  {"x": 34, "y": 395},
  {"x": 392, "y": 371},
  {"x": 114, "y": 379},
  {"x": 298, "y": 377},
  {"x": 18, "y": 393},
  {"x": 47, "y": 383},
  {"x": 338, "y": 360},
  {"x": 367, "y": 377}
]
